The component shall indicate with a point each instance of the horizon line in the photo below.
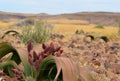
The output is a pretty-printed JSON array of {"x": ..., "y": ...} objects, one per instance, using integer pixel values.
[{"x": 58, "y": 13}]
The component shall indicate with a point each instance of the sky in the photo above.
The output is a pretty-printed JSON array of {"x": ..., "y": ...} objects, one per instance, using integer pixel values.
[{"x": 59, "y": 6}]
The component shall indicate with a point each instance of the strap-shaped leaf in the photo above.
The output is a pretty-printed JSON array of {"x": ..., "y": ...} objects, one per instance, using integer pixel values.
[
  {"x": 6, "y": 48},
  {"x": 8, "y": 65},
  {"x": 45, "y": 67},
  {"x": 65, "y": 70},
  {"x": 10, "y": 31},
  {"x": 29, "y": 71}
]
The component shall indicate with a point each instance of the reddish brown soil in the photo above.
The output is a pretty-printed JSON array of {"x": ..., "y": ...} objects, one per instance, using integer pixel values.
[{"x": 101, "y": 58}]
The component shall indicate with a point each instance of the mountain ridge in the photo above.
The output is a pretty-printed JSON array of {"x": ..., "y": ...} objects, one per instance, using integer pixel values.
[{"x": 99, "y": 18}]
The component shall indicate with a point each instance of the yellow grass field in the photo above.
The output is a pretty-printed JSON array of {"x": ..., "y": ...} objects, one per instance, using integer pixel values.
[
  {"x": 63, "y": 28},
  {"x": 66, "y": 21},
  {"x": 6, "y": 24},
  {"x": 68, "y": 28}
]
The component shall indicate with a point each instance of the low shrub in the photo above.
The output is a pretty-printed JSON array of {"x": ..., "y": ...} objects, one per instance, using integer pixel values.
[
  {"x": 26, "y": 22},
  {"x": 79, "y": 32},
  {"x": 38, "y": 33},
  {"x": 99, "y": 26}
]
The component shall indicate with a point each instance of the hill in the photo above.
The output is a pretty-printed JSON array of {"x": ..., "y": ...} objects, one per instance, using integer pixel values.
[{"x": 100, "y": 18}]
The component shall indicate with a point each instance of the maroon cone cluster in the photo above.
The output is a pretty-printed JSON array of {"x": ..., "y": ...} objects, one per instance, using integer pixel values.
[{"x": 36, "y": 58}]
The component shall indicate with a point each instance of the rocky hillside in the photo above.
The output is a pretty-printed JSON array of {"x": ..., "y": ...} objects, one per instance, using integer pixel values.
[{"x": 100, "y": 18}]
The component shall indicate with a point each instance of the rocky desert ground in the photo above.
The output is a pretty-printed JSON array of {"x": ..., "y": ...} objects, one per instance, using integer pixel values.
[{"x": 99, "y": 56}]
